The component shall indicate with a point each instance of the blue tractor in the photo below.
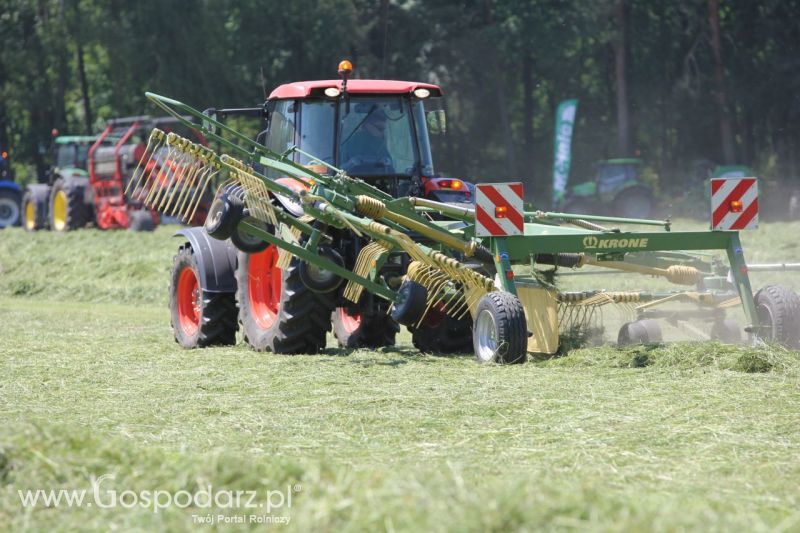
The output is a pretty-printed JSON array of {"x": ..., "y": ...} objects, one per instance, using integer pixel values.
[{"x": 10, "y": 194}]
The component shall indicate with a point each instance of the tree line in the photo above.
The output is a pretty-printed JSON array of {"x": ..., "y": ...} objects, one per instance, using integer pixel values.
[{"x": 675, "y": 83}]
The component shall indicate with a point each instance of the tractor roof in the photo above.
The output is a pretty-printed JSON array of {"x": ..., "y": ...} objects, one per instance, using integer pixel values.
[
  {"x": 75, "y": 139},
  {"x": 303, "y": 89}
]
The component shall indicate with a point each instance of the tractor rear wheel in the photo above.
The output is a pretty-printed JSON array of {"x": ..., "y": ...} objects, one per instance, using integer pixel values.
[
  {"x": 278, "y": 313},
  {"x": 199, "y": 318},
  {"x": 442, "y": 334},
  {"x": 35, "y": 204},
  {"x": 778, "y": 309},
  {"x": 500, "y": 333},
  {"x": 9, "y": 208},
  {"x": 67, "y": 208},
  {"x": 356, "y": 330}
]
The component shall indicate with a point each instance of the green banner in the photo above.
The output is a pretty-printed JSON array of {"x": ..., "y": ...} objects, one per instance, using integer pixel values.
[{"x": 565, "y": 120}]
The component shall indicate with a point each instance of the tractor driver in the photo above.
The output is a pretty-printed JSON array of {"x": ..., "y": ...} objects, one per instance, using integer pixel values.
[{"x": 365, "y": 151}]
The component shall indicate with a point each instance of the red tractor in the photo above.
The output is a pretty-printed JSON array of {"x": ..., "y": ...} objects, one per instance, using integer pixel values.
[{"x": 376, "y": 130}]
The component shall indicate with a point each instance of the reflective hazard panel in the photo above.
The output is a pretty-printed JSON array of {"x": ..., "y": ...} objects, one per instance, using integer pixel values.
[
  {"x": 734, "y": 203},
  {"x": 499, "y": 210}
]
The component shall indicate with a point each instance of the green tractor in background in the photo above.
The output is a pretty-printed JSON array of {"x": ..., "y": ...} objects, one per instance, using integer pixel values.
[
  {"x": 617, "y": 189},
  {"x": 67, "y": 175}
]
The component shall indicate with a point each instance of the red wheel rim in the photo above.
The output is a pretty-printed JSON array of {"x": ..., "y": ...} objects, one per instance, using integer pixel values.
[
  {"x": 189, "y": 308},
  {"x": 349, "y": 322},
  {"x": 264, "y": 286}
]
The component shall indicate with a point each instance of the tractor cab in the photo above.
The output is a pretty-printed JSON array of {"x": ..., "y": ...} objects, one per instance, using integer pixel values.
[
  {"x": 71, "y": 151},
  {"x": 376, "y": 130}
]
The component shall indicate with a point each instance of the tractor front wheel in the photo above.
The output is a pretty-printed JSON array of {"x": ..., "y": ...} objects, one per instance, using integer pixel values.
[
  {"x": 500, "y": 333},
  {"x": 199, "y": 318},
  {"x": 35, "y": 204},
  {"x": 356, "y": 330},
  {"x": 778, "y": 309},
  {"x": 278, "y": 313},
  {"x": 68, "y": 211}
]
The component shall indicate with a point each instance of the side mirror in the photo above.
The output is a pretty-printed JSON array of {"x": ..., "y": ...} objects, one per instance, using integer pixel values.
[{"x": 437, "y": 121}]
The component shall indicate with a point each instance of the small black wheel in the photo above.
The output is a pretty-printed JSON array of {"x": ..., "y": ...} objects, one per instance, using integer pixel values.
[
  {"x": 318, "y": 279},
  {"x": 646, "y": 331},
  {"x": 199, "y": 318},
  {"x": 778, "y": 309},
  {"x": 224, "y": 215},
  {"x": 247, "y": 243},
  {"x": 409, "y": 308},
  {"x": 141, "y": 220},
  {"x": 500, "y": 334}
]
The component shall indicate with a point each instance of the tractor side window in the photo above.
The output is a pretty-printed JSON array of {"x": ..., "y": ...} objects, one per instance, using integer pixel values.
[
  {"x": 317, "y": 122},
  {"x": 281, "y": 134}
]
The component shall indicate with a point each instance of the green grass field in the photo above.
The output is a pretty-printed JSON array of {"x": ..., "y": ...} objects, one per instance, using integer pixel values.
[{"x": 683, "y": 436}]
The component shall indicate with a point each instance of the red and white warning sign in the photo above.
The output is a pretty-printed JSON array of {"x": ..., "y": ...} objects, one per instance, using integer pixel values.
[
  {"x": 499, "y": 210},
  {"x": 734, "y": 203}
]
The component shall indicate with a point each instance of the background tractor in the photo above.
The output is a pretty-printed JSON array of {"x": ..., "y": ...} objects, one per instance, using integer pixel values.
[
  {"x": 10, "y": 194},
  {"x": 290, "y": 310},
  {"x": 617, "y": 188},
  {"x": 87, "y": 181}
]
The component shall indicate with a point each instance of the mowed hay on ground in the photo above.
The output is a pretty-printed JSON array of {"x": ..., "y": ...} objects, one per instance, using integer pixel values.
[{"x": 670, "y": 437}]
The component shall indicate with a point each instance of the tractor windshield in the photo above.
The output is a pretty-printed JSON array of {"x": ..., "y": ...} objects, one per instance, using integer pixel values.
[{"x": 374, "y": 136}]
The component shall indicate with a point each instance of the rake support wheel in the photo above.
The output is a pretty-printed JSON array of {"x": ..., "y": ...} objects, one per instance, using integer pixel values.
[
  {"x": 645, "y": 331},
  {"x": 500, "y": 333},
  {"x": 444, "y": 335}
]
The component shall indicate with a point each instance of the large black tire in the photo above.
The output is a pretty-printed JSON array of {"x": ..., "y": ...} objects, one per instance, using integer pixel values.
[
  {"x": 443, "y": 334},
  {"x": 68, "y": 209},
  {"x": 141, "y": 220},
  {"x": 778, "y": 309},
  {"x": 9, "y": 208},
  {"x": 500, "y": 333},
  {"x": 635, "y": 202},
  {"x": 199, "y": 318},
  {"x": 365, "y": 330},
  {"x": 297, "y": 322},
  {"x": 35, "y": 207}
]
